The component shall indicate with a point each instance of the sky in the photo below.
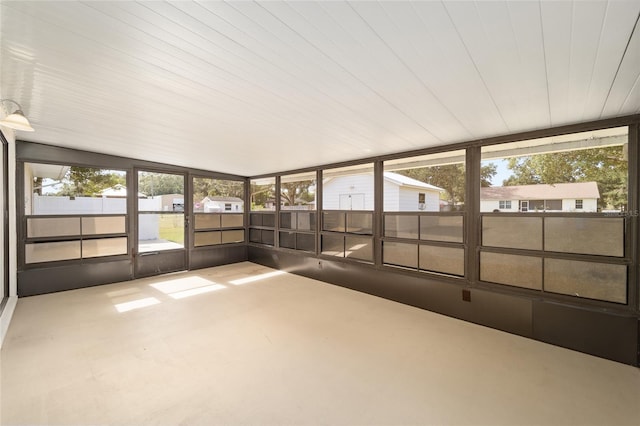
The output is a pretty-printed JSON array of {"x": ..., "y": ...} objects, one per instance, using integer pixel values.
[{"x": 503, "y": 171}]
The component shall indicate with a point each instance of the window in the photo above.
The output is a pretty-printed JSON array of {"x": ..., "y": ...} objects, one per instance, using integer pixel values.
[
  {"x": 262, "y": 219},
  {"x": 428, "y": 235},
  {"x": 74, "y": 212},
  {"x": 554, "y": 173},
  {"x": 58, "y": 189},
  {"x": 348, "y": 188},
  {"x": 263, "y": 194},
  {"x": 217, "y": 195},
  {"x": 438, "y": 180},
  {"x": 298, "y": 211},
  {"x": 298, "y": 192},
  {"x": 218, "y": 207},
  {"x": 348, "y": 201},
  {"x": 570, "y": 174},
  {"x": 505, "y": 205}
]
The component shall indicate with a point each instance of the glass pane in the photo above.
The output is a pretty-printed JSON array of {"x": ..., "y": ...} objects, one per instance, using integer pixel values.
[
  {"x": 255, "y": 235},
  {"x": 233, "y": 236},
  {"x": 306, "y": 242},
  {"x": 206, "y": 238},
  {"x": 269, "y": 220},
  {"x": 306, "y": 221},
  {"x": 285, "y": 220},
  {"x": 49, "y": 252},
  {"x": 434, "y": 182},
  {"x": 263, "y": 193},
  {"x": 442, "y": 228},
  {"x": 579, "y": 172},
  {"x": 207, "y": 221},
  {"x": 298, "y": 192},
  {"x": 401, "y": 226},
  {"x": 333, "y": 245},
  {"x": 255, "y": 219},
  {"x": 360, "y": 223},
  {"x": 520, "y": 271},
  {"x": 160, "y": 192},
  {"x": 401, "y": 254},
  {"x": 600, "y": 236},
  {"x": 512, "y": 232},
  {"x": 447, "y": 260},
  {"x": 268, "y": 237},
  {"x": 56, "y": 189},
  {"x": 104, "y": 225},
  {"x": 53, "y": 227},
  {"x": 217, "y": 195},
  {"x": 160, "y": 232},
  {"x": 232, "y": 221},
  {"x": 358, "y": 247},
  {"x": 333, "y": 221},
  {"x": 586, "y": 279},
  {"x": 348, "y": 188},
  {"x": 288, "y": 240},
  {"x": 104, "y": 247}
]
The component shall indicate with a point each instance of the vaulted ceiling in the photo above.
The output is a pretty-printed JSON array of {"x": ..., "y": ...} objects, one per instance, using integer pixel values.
[{"x": 259, "y": 87}]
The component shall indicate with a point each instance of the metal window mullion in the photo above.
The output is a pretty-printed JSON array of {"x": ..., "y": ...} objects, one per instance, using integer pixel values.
[
  {"x": 632, "y": 231},
  {"x": 472, "y": 210},
  {"x": 378, "y": 207},
  {"x": 276, "y": 224}
]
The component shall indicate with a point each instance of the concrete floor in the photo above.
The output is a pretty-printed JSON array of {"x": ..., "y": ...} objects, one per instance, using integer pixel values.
[{"x": 230, "y": 345}]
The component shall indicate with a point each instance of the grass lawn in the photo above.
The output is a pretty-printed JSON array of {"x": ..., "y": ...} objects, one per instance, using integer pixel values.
[{"x": 172, "y": 227}]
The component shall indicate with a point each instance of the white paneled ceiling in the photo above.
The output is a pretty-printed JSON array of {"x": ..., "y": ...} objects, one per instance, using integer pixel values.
[{"x": 260, "y": 87}]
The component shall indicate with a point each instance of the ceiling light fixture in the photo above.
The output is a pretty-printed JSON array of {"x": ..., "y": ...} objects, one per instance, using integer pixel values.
[{"x": 16, "y": 120}]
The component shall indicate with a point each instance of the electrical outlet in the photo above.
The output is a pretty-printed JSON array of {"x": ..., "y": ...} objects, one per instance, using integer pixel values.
[{"x": 466, "y": 295}]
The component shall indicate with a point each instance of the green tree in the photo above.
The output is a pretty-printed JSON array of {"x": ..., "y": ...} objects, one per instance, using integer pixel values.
[
  {"x": 261, "y": 194},
  {"x": 606, "y": 166},
  {"x": 294, "y": 193},
  {"x": 487, "y": 172},
  {"x": 88, "y": 182},
  {"x": 451, "y": 178},
  {"x": 204, "y": 187},
  {"x": 152, "y": 184}
]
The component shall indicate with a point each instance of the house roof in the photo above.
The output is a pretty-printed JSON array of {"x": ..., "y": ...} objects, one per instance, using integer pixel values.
[
  {"x": 221, "y": 198},
  {"x": 118, "y": 191},
  {"x": 556, "y": 191},
  {"x": 402, "y": 180}
]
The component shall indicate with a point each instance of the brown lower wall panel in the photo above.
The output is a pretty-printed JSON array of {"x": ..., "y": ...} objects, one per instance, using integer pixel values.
[
  {"x": 205, "y": 257},
  {"x": 598, "y": 333},
  {"x": 68, "y": 277},
  {"x": 603, "y": 334}
]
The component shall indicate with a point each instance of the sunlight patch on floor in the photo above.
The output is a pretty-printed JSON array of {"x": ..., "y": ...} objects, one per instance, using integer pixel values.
[
  {"x": 136, "y": 304},
  {"x": 196, "y": 291},
  {"x": 181, "y": 284},
  {"x": 254, "y": 278},
  {"x": 188, "y": 286}
]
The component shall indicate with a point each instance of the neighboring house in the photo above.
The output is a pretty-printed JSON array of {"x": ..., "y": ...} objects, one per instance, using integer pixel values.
[
  {"x": 118, "y": 191},
  {"x": 222, "y": 204},
  {"x": 560, "y": 197},
  {"x": 401, "y": 193},
  {"x": 172, "y": 202}
]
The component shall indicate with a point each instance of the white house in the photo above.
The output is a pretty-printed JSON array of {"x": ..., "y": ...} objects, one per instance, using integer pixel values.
[
  {"x": 222, "y": 204},
  {"x": 401, "y": 193},
  {"x": 118, "y": 191},
  {"x": 559, "y": 197}
]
